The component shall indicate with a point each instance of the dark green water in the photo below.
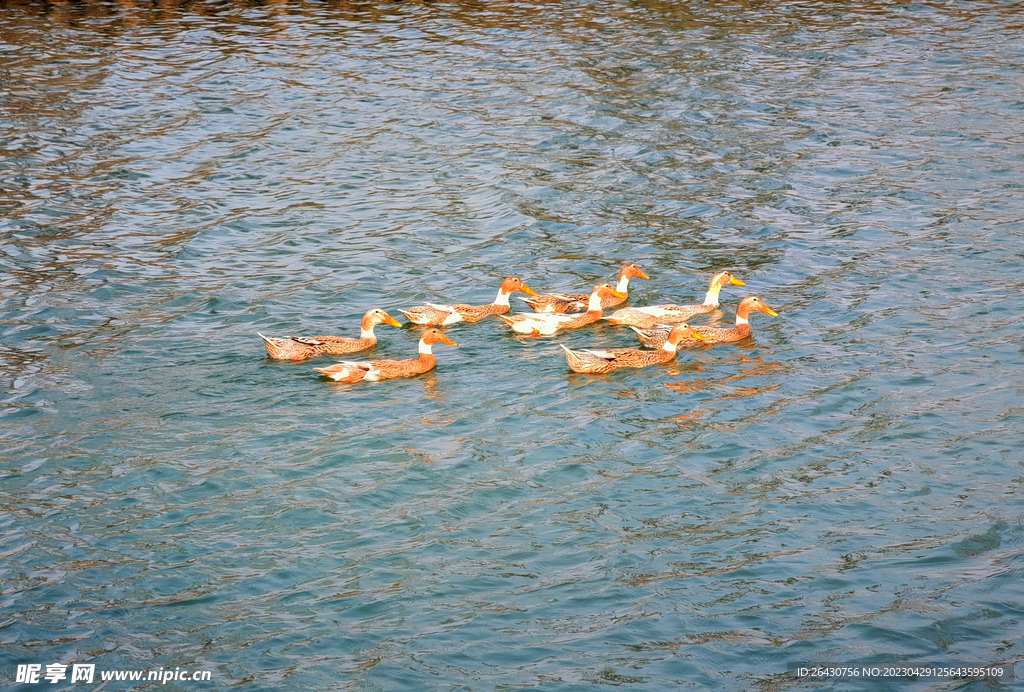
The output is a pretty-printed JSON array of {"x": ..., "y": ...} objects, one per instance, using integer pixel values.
[{"x": 847, "y": 484}]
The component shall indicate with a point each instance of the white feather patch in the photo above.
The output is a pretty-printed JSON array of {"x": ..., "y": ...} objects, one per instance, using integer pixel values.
[{"x": 545, "y": 324}]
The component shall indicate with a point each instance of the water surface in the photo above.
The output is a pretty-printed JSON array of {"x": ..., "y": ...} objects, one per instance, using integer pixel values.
[{"x": 847, "y": 483}]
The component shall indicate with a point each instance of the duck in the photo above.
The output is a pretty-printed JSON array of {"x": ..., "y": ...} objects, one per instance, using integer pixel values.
[
  {"x": 434, "y": 315},
  {"x": 656, "y": 337},
  {"x": 538, "y": 324},
  {"x": 579, "y": 302},
  {"x": 298, "y": 348},
  {"x": 647, "y": 317},
  {"x": 350, "y": 372},
  {"x": 592, "y": 361}
]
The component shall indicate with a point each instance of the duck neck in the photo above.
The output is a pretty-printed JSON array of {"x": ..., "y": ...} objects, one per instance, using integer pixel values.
[
  {"x": 426, "y": 356},
  {"x": 595, "y": 303},
  {"x": 623, "y": 285},
  {"x": 501, "y": 299},
  {"x": 669, "y": 346},
  {"x": 711, "y": 297},
  {"x": 366, "y": 329},
  {"x": 742, "y": 313}
]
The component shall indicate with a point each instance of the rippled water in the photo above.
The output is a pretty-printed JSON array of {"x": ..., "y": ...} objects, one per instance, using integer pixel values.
[{"x": 846, "y": 484}]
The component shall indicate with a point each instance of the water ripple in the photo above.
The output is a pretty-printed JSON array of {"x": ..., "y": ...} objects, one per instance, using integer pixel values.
[{"x": 846, "y": 484}]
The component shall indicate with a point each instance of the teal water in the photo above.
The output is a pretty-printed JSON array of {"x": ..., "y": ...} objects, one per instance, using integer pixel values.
[{"x": 846, "y": 484}]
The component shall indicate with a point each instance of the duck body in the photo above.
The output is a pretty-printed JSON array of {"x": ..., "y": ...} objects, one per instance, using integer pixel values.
[
  {"x": 562, "y": 303},
  {"x": 546, "y": 324},
  {"x": 658, "y": 335},
  {"x": 297, "y": 348},
  {"x": 648, "y": 317},
  {"x": 350, "y": 372},
  {"x": 436, "y": 315},
  {"x": 433, "y": 315},
  {"x": 600, "y": 361}
]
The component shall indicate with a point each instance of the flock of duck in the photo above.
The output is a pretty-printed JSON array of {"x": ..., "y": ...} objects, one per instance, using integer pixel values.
[{"x": 662, "y": 328}]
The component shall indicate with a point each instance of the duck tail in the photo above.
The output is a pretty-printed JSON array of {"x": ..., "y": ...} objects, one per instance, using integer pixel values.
[{"x": 273, "y": 345}]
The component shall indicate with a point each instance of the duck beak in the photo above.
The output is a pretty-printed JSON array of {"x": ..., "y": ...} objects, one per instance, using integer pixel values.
[
  {"x": 445, "y": 340},
  {"x": 697, "y": 335},
  {"x": 528, "y": 291},
  {"x": 392, "y": 321},
  {"x": 641, "y": 275},
  {"x": 617, "y": 294},
  {"x": 736, "y": 282},
  {"x": 768, "y": 311}
]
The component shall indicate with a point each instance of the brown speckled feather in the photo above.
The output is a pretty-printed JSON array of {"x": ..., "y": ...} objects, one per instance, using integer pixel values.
[
  {"x": 475, "y": 313},
  {"x": 634, "y": 317},
  {"x": 304, "y": 347},
  {"x": 562, "y": 303},
  {"x": 648, "y": 317},
  {"x": 439, "y": 315},
  {"x": 657, "y": 336},
  {"x": 569, "y": 302},
  {"x": 607, "y": 360},
  {"x": 432, "y": 315},
  {"x": 581, "y": 320},
  {"x": 550, "y": 323},
  {"x": 350, "y": 372}
]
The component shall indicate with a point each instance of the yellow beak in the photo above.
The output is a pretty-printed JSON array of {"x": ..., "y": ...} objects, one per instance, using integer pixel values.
[
  {"x": 528, "y": 291},
  {"x": 769, "y": 311},
  {"x": 737, "y": 282},
  {"x": 641, "y": 275},
  {"x": 446, "y": 340},
  {"x": 617, "y": 294},
  {"x": 697, "y": 335},
  {"x": 392, "y": 321}
]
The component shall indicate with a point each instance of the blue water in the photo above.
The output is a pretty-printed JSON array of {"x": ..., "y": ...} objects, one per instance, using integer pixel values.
[{"x": 846, "y": 484}]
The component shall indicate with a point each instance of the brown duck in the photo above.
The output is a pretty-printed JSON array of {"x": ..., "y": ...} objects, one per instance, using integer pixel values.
[
  {"x": 647, "y": 317},
  {"x": 350, "y": 372},
  {"x": 443, "y": 315},
  {"x": 593, "y": 361},
  {"x": 579, "y": 302},
  {"x": 538, "y": 324},
  {"x": 656, "y": 337},
  {"x": 302, "y": 347}
]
